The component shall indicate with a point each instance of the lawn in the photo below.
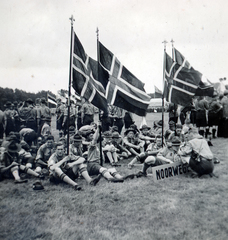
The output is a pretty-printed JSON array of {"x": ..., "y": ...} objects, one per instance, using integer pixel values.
[{"x": 176, "y": 208}]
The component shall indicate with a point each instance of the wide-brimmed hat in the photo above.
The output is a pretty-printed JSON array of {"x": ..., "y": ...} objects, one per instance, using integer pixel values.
[
  {"x": 37, "y": 186},
  {"x": 29, "y": 100},
  {"x": 12, "y": 146},
  {"x": 8, "y": 104},
  {"x": 144, "y": 126},
  {"x": 176, "y": 141},
  {"x": 77, "y": 138},
  {"x": 107, "y": 134},
  {"x": 116, "y": 135},
  {"x": 71, "y": 129},
  {"x": 171, "y": 123},
  {"x": 130, "y": 129},
  {"x": 178, "y": 125},
  {"x": 43, "y": 100},
  {"x": 134, "y": 126},
  {"x": 158, "y": 123}
]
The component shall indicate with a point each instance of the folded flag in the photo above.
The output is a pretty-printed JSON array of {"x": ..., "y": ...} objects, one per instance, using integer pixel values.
[
  {"x": 85, "y": 71},
  {"x": 122, "y": 88}
]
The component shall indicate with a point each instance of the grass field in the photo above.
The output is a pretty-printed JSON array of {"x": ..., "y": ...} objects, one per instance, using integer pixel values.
[{"x": 180, "y": 208}]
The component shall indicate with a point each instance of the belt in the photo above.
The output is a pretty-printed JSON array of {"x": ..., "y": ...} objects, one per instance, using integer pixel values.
[{"x": 205, "y": 159}]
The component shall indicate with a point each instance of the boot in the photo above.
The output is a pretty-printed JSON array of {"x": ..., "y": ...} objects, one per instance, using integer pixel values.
[
  {"x": 201, "y": 132},
  {"x": 206, "y": 133},
  {"x": 213, "y": 132}
]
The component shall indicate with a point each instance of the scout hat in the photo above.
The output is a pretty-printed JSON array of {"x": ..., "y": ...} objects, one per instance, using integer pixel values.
[
  {"x": 176, "y": 141},
  {"x": 107, "y": 134},
  {"x": 130, "y": 129},
  {"x": 43, "y": 100},
  {"x": 179, "y": 126},
  {"x": 144, "y": 127},
  {"x": 8, "y": 104},
  {"x": 116, "y": 135},
  {"x": 158, "y": 123},
  {"x": 29, "y": 100},
  {"x": 171, "y": 123},
  {"x": 77, "y": 138},
  {"x": 12, "y": 146}
]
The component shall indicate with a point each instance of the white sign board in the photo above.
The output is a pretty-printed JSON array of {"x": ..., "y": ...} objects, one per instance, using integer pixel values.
[{"x": 167, "y": 171}]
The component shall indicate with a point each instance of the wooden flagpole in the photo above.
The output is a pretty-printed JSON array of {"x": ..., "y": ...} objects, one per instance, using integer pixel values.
[
  {"x": 164, "y": 64},
  {"x": 69, "y": 87},
  {"x": 98, "y": 61},
  {"x": 175, "y": 112}
]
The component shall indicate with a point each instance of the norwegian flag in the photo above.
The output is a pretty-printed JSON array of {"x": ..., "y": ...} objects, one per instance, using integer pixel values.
[
  {"x": 84, "y": 71},
  {"x": 205, "y": 87},
  {"x": 180, "y": 59},
  {"x": 180, "y": 83},
  {"x": 122, "y": 88}
]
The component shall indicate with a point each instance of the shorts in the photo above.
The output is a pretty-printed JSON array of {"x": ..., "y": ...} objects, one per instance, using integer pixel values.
[
  {"x": 213, "y": 119},
  {"x": 8, "y": 174},
  {"x": 93, "y": 168},
  {"x": 201, "y": 120},
  {"x": 54, "y": 178},
  {"x": 202, "y": 167}
]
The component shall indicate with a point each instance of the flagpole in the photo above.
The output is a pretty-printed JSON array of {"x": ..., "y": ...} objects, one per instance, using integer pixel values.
[
  {"x": 98, "y": 62},
  {"x": 164, "y": 64},
  {"x": 69, "y": 87},
  {"x": 47, "y": 100},
  {"x": 175, "y": 112}
]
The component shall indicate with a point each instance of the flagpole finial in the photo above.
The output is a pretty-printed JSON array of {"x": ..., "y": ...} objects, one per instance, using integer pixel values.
[
  {"x": 172, "y": 41},
  {"x": 97, "y": 32},
  {"x": 72, "y": 20},
  {"x": 164, "y": 42}
]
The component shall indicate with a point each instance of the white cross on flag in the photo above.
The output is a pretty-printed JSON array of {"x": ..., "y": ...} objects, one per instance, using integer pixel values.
[
  {"x": 205, "y": 87},
  {"x": 122, "y": 88},
  {"x": 85, "y": 75},
  {"x": 180, "y": 83}
]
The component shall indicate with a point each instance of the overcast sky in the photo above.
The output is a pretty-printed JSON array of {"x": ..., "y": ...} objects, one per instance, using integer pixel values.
[{"x": 35, "y": 38}]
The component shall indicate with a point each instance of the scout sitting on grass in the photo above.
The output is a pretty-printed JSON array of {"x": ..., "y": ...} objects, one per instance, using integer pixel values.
[
  {"x": 197, "y": 154},
  {"x": 66, "y": 168},
  {"x": 109, "y": 149},
  {"x": 157, "y": 157},
  {"x": 117, "y": 141},
  {"x": 94, "y": 158},
  {"x": 44, "y": 153},
  {"x": 132, "y": 142},
  {"x": 10, "y": 166}
]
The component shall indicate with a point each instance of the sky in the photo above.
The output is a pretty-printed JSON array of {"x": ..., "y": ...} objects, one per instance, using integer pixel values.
[{"x": 35, "y": 38}]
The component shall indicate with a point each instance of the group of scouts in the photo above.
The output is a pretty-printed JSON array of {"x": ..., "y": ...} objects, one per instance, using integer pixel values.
[
  {"x": 96, "y": 150},
  {"x": 209, "y": 114}
]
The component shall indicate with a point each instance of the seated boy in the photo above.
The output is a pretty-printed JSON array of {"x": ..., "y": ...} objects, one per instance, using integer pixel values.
[
  {"x": 108, "y": 148},
  {"x": 94, "y": 157},
  {"x": 67, "y": 168}
]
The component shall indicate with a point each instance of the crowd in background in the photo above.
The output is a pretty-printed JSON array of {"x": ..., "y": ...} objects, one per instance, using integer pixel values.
[{"x": 29, "y": 145}]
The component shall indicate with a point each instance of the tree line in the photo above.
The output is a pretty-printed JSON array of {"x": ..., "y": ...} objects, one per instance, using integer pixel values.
[{"x": 12, "y": 95}]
